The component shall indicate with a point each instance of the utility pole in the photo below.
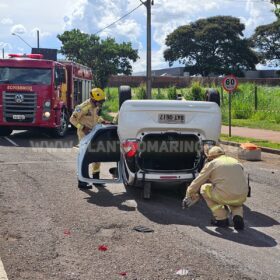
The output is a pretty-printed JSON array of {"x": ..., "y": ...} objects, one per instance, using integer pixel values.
[
  {"x": 148, "y": 5},
  {"x": 3, "y": 53},
  {"x": 38, "y": 44}
]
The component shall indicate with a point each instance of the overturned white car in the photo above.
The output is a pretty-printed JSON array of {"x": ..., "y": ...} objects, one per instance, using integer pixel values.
[{"x": 154, "y": 141}]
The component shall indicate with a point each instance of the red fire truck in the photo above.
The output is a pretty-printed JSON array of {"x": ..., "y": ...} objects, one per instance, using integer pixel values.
[{"x": 39, "y": 93}]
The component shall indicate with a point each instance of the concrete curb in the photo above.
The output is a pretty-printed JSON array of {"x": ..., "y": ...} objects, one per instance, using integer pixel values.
[{"x": 264, "y": 149}]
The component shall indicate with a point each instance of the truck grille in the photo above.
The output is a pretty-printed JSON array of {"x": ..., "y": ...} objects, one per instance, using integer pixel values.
[{"x": 19, "y": 106}]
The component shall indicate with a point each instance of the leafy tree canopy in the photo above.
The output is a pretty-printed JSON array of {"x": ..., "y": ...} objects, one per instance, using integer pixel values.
[
  {"x": 104, "y": 57},
  {"x": 266, "y": 41},
  {"x": 213, "y": 45},
  {"x": 277, "y": 7}
]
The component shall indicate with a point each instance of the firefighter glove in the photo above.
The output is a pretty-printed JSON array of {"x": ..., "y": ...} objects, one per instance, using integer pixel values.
[{"x": 190, "y": 200}]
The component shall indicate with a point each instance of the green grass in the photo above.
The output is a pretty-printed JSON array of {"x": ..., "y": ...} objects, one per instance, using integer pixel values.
[
  {"x": 243, "y": 103},
  {"x": 263, "y": 124},
  {"x": 261, "y": 143}
]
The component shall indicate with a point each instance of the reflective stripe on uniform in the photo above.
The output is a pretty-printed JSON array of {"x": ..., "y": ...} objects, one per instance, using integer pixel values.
[
  {"x": 86, "y": 108},
  {"x": 79, "y": 126},
  {"x": 207, "y": 189}
]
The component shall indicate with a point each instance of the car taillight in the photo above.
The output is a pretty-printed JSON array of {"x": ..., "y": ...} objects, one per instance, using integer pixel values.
[{"x": 130, "y": 147}]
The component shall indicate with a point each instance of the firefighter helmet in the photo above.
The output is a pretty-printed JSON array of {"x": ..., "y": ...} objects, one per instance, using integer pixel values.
[{"x": 97, "y": 94}]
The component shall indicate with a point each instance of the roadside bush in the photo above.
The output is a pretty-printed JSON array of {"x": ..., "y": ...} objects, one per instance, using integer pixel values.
[
  {"x": 277, "y": 118},
  {"x": 140, "y": 93},
  {"x": 171, "y": 93},
  {"x": 243, "y": 111},
  {"x": 112, "y": 100},
  {"x": 196, "y": 91},
  {"x": 159, "y": 94},
  {"x": 260, "y": 116}
]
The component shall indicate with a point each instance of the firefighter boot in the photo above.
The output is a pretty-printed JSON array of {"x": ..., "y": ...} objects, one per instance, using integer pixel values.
[
  {"x": 238, "y": 222},
  {"x": 97, "y": 176},
  {"x": 220, "y": 223}
]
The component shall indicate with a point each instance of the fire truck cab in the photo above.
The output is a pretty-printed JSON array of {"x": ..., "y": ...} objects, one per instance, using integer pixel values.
[{"x": 38, "y": 93}]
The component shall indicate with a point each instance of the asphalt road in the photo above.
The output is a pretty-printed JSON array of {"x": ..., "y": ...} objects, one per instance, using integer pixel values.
[{"x": 51, "y": 230}]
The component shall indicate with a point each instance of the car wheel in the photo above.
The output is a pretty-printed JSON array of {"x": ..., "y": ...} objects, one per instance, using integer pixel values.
[
  {"x": 124, "y": 94},
  {"x": 212, "y": 95},
  {"x": 84, "y": 185}
]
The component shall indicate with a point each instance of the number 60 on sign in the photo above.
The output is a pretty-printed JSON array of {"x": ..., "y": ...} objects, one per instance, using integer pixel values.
[{"x": 230, "y": 83}]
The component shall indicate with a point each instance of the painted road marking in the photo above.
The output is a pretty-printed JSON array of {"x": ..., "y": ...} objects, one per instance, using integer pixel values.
[
  {"x": 3, "y": 274},
  {"x": 11, "y": 141}
]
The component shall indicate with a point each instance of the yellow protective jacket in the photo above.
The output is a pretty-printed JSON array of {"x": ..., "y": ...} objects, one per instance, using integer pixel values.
[
  {"x": 225, "y": 174},
  {"x": 85, "y": 114}
]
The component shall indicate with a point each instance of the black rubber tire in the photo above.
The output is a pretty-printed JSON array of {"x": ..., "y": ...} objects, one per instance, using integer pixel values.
[
  {"x": 212, "y": 95},
  {"x": 124, "y": 94},
  {"x": 84, "y": 185},
  {"x": 5, "y": 131},
  {"x": 61, "y": 131}
]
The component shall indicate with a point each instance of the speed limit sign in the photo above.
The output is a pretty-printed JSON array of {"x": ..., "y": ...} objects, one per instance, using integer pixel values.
[{"x": 230, "y": 83}]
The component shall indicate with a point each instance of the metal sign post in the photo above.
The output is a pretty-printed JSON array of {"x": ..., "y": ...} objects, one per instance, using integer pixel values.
[
  {"x": 229, "y": 114},
  {"x": 230, "y": 84}
]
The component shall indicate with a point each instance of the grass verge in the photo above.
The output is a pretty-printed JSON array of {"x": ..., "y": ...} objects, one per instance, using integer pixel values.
[
  {"x": 261, "y": 143},
  {"x": 264, "y": 124}
]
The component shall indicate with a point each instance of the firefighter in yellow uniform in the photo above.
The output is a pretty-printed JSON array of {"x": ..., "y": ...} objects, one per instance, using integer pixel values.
[
  {"x": 85, "y": 117},
  {"x": 222, "y": 183}
]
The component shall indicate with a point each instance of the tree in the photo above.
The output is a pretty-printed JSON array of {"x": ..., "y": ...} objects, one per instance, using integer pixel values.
[
  {"x": 104, "y": 57},
  {"x": 277, "y": 7},
  {"x": 266, "y": 41},
  {"x": 213, "y": 45}
]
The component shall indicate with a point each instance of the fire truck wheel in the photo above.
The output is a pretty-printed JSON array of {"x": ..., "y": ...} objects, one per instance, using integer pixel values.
[
  {"x": 124, "y": 94},
  {"x": 61, "y": 130},
  {"x": 5, "y": 131}
]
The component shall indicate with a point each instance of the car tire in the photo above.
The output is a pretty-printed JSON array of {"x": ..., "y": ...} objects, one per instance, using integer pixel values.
[
  {"x": 212, "y": 95},
  {"x": 83, "y": 185},
  {"x": 5, "y": 131},
  {"x": 124, "y": 94}
]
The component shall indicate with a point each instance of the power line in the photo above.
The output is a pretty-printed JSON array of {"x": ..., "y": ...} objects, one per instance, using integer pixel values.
[{"x": 118, "y": 19}]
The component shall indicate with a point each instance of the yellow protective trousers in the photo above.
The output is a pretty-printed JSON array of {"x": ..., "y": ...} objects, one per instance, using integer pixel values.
[
  {"x": 95, "y": 167},
  {"x": 217, "y": 202}
]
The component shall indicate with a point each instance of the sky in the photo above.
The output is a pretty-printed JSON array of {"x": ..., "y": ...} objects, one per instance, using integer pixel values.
[{"x": 53, "y": 17}]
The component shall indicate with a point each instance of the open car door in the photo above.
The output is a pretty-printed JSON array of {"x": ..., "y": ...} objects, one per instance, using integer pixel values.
[{"x": 101, "y": 145}]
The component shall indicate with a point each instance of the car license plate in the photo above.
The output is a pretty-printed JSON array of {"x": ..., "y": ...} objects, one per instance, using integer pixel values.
[
  {"x": 171, "y": 118},
  {"x": 19, "y": 117}
]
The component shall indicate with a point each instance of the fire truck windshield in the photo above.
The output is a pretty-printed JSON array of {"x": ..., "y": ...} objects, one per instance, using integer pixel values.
[{"x": 29, "y": 76}]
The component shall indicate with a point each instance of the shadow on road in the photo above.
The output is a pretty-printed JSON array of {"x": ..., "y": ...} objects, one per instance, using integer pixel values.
[
  {"x": 38, "y": 139},
  {"x": 249, "y": 236},
  {"x": 165, "y": 208}
]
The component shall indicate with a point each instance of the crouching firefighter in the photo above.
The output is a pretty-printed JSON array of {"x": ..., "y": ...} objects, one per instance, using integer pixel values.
[
  {"x": 85, "y": 117},
  {"x": 223, "y": 185}
]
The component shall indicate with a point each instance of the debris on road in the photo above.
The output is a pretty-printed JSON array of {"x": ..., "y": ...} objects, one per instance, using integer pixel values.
[
  {"x": 130, "y": 203},
  {"x": 123, "y": 273},
  {"x": 182, "y": 272},
  {"x": 67, "y": 232},
  {"x": 143, "y": 229},
  {"x": 102, "y": 248}
]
